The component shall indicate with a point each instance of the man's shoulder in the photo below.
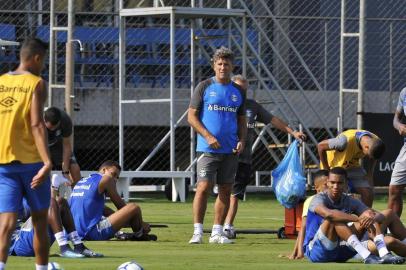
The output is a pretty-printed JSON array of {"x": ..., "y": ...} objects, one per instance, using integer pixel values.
[{"x": 204, "y": 84}]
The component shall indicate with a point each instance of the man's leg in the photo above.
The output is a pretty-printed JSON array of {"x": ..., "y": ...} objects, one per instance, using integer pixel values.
[
  {"x": 232, "y": 211},
  {"x": 7, "y": 227},
  {"x": 395, "y": 225},
  {"x": 41, "y": 241},
  {"x": 222, "y": 203},
  {"x": 69, "y": 225},
  {"x": 74, "y": 171},
  {"x": 395, "y": 200},
  {"x": 129, "y": 215}
]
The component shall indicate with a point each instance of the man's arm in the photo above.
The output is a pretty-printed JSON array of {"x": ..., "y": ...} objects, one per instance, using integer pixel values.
[
  {"x": 397, "y": 124},
  {"x": 39, "y": 133},
  {"x": 194, "y": 121},
  {"x": 322, "y": 148},
  {"x": 281, "y": 125},
  {"x": 108, "y": 185},
  {"x": 67, "y": 153},
  {"x": 334, "y": 215},
  {"x": 242, "y": 133},
  {"x": 298, "y": 249}
]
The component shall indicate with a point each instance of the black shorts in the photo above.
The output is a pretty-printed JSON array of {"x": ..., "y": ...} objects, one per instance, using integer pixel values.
[
  {"x": 57, "y": 156},
  {"x": 242, "y": 179}
]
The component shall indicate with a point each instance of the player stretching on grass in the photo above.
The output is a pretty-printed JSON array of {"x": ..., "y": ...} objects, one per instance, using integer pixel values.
[{"x": 87, "y": 204}]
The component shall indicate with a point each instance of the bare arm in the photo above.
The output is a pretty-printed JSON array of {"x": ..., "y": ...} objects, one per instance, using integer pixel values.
[
  {"x": 242, "y": 133},
  {"x": 298, "y": 249},
  {"x": 194, "y": 121},
  {"x": 334, "y": 215},
  {"x": 281, "y": 125},
  {"x": 108, "y": 185},
  {"x": 67, "y": 153},
  {"x": 398, "y": 125},
  {"x": 39, "y": 133},
  {"x": 322, "y": 148}
]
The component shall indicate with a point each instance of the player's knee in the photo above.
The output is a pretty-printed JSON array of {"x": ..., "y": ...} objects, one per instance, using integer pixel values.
[
  {"x": 7, "y": 226},
  {"x": 134, "y": 208}
]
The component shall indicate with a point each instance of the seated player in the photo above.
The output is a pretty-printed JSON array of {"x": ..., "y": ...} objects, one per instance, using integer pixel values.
[
  {"x": 327, "y": 226},
  {"x": 320, "y": 185},
  {"x": 396, "y": 241},
  {"x": 87, "y": 204},
  {"x": 59, "y": 218}
]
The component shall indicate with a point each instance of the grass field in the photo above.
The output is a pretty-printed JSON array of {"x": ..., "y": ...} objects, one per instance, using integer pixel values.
[{"x": 171, "y": 251}]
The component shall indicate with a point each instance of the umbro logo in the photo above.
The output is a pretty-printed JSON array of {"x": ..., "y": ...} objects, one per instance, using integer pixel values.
[{"x": 8, "y": 102}]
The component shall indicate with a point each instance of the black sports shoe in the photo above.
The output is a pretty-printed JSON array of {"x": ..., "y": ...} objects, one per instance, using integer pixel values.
[
  {"x": 123, "y": 236},
  {"x": 373, "y": 259},
  {"x": 392, "y": 259}
]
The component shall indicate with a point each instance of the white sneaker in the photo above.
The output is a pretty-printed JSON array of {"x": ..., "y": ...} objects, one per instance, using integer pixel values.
[
  {"x": 196, "y": 239},
  {"x": 229, "y": 233},
  {"x": 220, "y": 239}
]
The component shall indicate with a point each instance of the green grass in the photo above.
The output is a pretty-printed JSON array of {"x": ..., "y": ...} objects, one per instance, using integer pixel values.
[{"x": 172, "y": 251}]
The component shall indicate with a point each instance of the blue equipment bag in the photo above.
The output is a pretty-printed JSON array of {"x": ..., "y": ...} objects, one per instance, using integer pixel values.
[{"x": 288, "y": 182}]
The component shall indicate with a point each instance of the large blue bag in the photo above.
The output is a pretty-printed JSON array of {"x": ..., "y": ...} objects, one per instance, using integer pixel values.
[{"x": 288, "y": 181}]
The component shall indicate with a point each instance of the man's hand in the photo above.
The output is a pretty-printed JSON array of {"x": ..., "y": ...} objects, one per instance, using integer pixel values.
[
  {"x": 402, "y": 129},
  {"x": 212, "y": 142},
  {"x": 239, "y": 148},
  {"x": 300, "y": 136},
  {"x": 366, "y": 219},
  {"x": 41, "y": 176}
]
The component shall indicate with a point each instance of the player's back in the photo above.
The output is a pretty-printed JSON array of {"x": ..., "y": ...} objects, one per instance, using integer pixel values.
[{"x": 16, "y": 140}]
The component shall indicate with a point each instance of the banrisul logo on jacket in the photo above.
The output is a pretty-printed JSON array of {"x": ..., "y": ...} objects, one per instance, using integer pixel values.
[{"x": 215, "y": 107}]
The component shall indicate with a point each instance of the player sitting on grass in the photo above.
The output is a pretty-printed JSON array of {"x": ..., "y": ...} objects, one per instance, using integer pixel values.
[
  {"x": 59, "y": 218},
  {"x": 320, "y": 185},
  {"x": 326, "y": 225},
  {"x": 395, "y": 242},
  {"x": 87, "y": 204}
]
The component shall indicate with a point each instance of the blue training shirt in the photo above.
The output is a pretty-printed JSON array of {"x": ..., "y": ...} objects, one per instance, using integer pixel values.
[
  {"x": 219, "y": 106},
  {"x": 87, "y": 204}
]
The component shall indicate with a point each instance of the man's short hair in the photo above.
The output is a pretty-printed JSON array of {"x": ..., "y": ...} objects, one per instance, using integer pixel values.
[
  {"x": 319, "y": 174},
  {"x": 110, "y": 163},
  {"x": 238, "y": 77},
  {"x": 223, "y": 53},
  {"x": 339, "y": 171},
  {"x": 52, "y": 115},
  {"x": 31, "y": 47},
  {"x": 377, "y": 148}
]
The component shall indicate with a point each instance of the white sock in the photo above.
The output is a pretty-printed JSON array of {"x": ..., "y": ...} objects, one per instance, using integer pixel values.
[
  {"x": 217, "y": 229},
  {"x": 2, "y": 266},
  {"x": 61, "y": 238},
  {"x": 228, "y": 226},
  {"x": 359, "y": 248},
  {"x": 380, "y": 245},
  {"x": 198, "y": 228},
  {"x": 74, "y": 237},
  {"x": 41, "y": 267}
]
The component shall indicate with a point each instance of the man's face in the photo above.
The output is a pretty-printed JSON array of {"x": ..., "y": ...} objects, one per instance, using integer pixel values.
[
  {"x": 223, "y": 68},
  {"x": 243, "y": 84},
  {"x": 336, "y": 185},
  {"x": 112, "y": 171},
  {"x": 50, "y": 126}
]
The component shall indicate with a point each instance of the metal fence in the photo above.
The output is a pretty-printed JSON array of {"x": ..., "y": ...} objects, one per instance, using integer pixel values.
[{"x": 292, "y": 66}]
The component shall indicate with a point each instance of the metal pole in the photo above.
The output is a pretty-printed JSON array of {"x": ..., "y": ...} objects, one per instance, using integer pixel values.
[
  {"x": 172, "y": 90},
  {"x": 192, "y": 85},
  {"x": 341, "y": 97},
  {"x": 325, "y": 55},
  {"x": 361, "y": 64},
  {"x": 244, "y": 46},
  {"x": 69, "y": 66},
  {"x": 51, "y": 51},
  {"x": 121, "y": 84},
  {"x": 390, "y": 65}
]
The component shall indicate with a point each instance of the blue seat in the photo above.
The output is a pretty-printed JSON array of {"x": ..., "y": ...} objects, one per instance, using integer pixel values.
[{"x": 8, "y": 54}]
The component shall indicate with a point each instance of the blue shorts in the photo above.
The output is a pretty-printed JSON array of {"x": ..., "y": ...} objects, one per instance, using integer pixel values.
[
  {"x": 101, "y": 231},
  {"x": 15, "y": 181},
  {"x": 23, "y": 243},
  {"x": 318, "y": 252}
]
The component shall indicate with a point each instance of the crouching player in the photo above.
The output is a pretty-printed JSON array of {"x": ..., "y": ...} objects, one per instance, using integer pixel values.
[
  {"x": 327, "y": 226},
  {"x": 59, "y": 218},
  {"x": 87, "y": 204}
]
